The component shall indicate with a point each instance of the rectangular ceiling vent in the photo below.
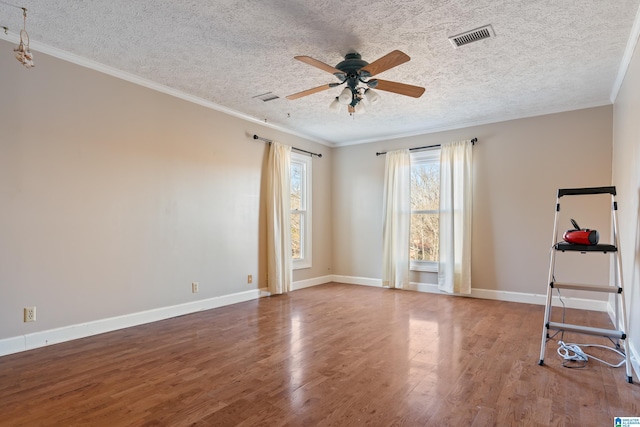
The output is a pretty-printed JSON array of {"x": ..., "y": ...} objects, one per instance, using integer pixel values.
[
  {"x": 267, "y": 96},
  {"x": 472, "y": 36}
]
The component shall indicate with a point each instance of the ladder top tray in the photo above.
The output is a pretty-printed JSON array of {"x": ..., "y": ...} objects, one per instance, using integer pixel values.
[
  {"x": 582, "y": 191},
  {"x": 584, "y": 248}
]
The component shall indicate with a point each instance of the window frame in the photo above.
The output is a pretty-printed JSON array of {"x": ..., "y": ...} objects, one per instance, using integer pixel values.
[
  {"x": 305, "y": 211},
  {"x": 422, "y": 157}
]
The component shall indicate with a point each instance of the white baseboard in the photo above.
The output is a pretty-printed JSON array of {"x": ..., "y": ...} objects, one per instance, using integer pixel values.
[
  {"x": 351, "y": 280},
  {"x": 301, "y": 284},
  {"x": 538, "y": 299},
  {"x": 68, "y": 333},
  {"x": 82, "y": 330},
  {"x": 526, "y": 298}
]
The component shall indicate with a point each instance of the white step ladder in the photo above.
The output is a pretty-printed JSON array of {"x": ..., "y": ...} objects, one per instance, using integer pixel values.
[{"x": 620, "y": 332}]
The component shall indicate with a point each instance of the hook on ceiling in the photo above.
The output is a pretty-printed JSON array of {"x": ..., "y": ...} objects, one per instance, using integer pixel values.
[{"x": 23, "y": 51}]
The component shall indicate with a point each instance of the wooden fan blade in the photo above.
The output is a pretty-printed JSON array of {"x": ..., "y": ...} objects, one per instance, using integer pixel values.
[
  {"x": 319, "y": 64},
  {"x": 400, "y": 88},
  {"x": 388, "y": 61},
  {"x": 308, "y": 92}
]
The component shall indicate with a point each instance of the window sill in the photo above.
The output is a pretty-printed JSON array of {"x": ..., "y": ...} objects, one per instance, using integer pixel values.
[{"x": 427, "y": 267}]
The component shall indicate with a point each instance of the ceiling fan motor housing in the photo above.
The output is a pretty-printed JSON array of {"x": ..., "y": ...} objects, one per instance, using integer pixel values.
[
  {"x": 352, "y": 63},
  {"x": 351, "y": 66}
]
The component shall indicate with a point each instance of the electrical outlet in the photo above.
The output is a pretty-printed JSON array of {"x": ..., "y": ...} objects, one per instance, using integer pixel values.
[
  {"x": 250, "y": 279},
  {"x": 194, "y": 287},
  {"x": 29, "y": 314}
]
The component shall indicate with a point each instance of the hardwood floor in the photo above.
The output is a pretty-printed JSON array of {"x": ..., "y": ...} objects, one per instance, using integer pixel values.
[{"x": 335, "y": 355}]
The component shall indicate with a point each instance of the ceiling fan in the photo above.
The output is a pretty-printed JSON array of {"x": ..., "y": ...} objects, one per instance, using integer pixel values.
[{"x": 356, "y": 74}]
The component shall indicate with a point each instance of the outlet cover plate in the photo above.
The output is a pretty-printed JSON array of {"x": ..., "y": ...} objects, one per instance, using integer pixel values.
[{"x": 29, "y": 314}]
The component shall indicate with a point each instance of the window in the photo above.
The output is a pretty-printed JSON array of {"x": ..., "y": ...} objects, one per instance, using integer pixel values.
[
  {"x": 425, "y": 205},
  {"x": 301, "y": 210}
]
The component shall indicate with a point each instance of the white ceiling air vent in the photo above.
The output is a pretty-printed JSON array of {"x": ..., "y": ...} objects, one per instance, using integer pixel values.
[
  {"x": 472, "y": 36},
  {"x": 267, "y": 96}
]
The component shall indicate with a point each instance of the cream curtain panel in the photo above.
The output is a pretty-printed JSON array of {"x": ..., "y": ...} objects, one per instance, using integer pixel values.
[
  {"x": 454, "y": 267},
  {"x": 396, "y": 219},
  {"x": 279, "y": 263}
]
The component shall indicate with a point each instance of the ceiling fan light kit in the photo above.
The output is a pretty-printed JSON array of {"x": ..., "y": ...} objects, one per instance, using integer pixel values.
[
  {"x": 356, "y": 74},
  {"x": 360, "y": 108},
  {"x": 346, "y": 96},
  {"x": 372, "y": 96},
  {"x": 335, "y": 105}
]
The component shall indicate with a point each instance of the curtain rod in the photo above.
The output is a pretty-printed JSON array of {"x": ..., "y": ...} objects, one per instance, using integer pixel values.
[
  {"x": 293, "y": 148},
  {"x": 473, "y": 141}
]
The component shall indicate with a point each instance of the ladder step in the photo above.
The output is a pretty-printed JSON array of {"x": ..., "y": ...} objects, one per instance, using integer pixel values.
[
  {"x": 611, "y": 333},
  {"x": 593, "y": 288}
]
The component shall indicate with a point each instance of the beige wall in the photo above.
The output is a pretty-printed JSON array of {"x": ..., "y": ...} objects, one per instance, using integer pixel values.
[
  {"x": 626, "y": 177},
  {"x": 518, "y": 167},
  {"x": 114, "y": 198}
]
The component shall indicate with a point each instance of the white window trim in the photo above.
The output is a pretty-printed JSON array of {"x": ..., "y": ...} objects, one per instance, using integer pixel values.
[
  {"x": 420, "y": 156},
  {"x": 305, "y": 249}
]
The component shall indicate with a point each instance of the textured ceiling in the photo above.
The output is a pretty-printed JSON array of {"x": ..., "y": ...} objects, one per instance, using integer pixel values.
[{"x": 546, "y": 56}]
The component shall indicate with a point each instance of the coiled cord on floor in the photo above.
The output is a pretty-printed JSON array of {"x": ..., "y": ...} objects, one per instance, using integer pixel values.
[{"x": 572, "y": 352}]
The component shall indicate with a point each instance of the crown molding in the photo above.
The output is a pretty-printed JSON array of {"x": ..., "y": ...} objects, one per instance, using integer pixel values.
[
  {"x": 626, "y": 58},
  {"x": 131, "y": 78}
]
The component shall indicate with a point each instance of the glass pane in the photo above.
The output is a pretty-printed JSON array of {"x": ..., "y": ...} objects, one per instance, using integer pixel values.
[
  {"x": 424, "y": 237},
  {"x": 297, "y": 171},
  {"x": 425, "y": 186},
  {"x": 296, "y": 237}
]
